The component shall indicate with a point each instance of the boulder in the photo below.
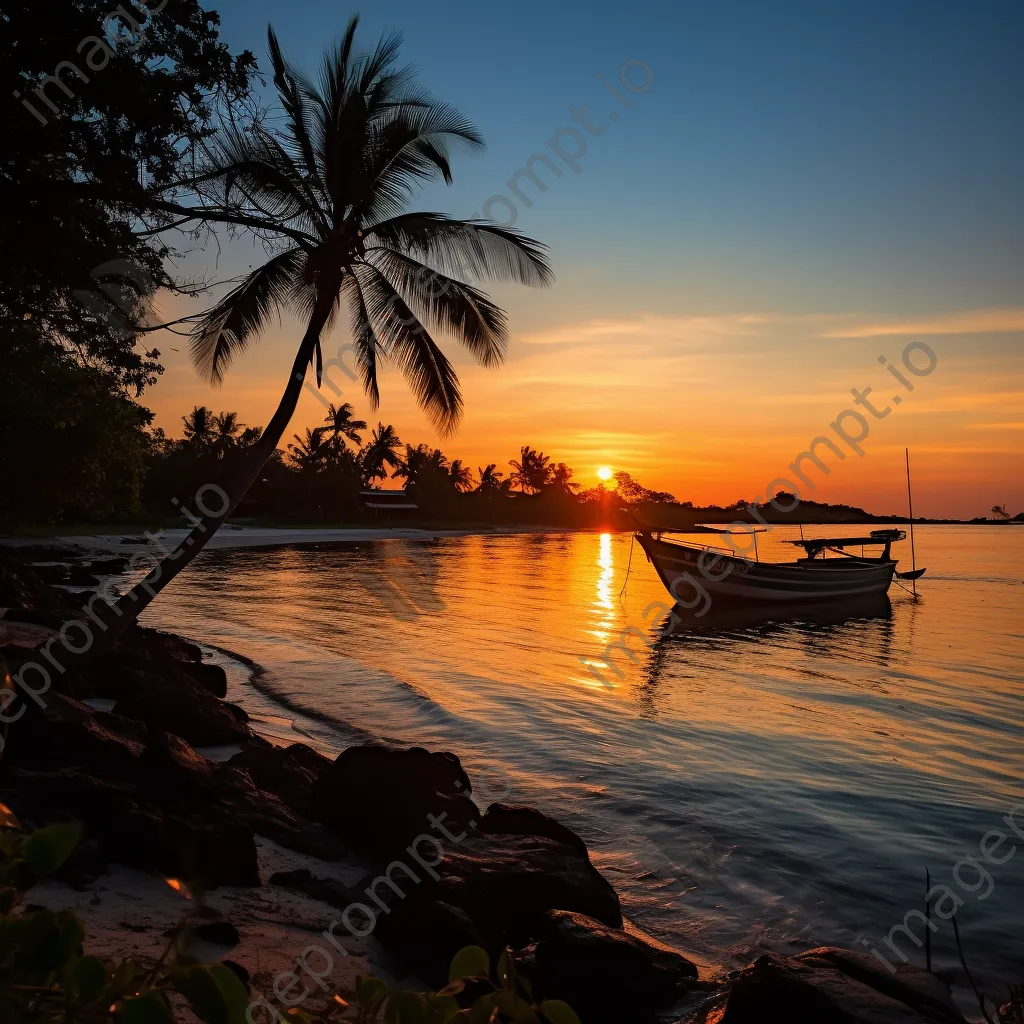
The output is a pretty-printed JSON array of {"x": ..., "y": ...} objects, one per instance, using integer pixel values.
[
  {"x": 197, "y": 841},
  {"x": 68, "y": 733},
  {"x": 638, "y": 974},
  {"x": 166, "y": 698},
  {"x": 211, "y": 678},
  {"x": 289, "y": 773},
  {"x": 518, "y": 820},
  {"x": 837, "y": 986},
  {"x": 380, "y": 798},
  {"x": 502, "y": 887}
]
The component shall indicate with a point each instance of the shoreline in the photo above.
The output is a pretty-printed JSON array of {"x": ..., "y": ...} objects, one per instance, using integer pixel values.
[{"x": 122, "y": 905}]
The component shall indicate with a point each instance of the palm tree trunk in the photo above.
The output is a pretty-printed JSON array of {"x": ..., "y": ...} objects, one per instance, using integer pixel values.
[{"x": 114, "y": 619}]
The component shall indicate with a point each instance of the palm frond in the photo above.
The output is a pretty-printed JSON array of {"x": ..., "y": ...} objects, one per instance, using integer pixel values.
[
  {"x": 466, "y": 248},
  {"x": 226, "y": 329},
  {"x": 428, "y": 372},
  {"x": 449, "y": 305}
]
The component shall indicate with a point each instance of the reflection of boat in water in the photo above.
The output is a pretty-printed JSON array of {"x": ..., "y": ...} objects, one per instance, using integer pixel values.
[
  {"x": 697, "y": 575},
  {"x": 815, "y": 617}
]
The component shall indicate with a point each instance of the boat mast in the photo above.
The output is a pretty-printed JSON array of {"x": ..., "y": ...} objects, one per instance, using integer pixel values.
[{"x": 910, "y": 503}]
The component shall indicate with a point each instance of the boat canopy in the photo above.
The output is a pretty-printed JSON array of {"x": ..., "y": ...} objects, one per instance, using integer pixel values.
[{"x": 814, "y": 545}]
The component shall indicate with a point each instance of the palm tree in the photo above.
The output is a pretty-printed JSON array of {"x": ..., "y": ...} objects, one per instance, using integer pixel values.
[
  {"x": 342, "y": 426},
  {"x": 461, "y": 476},
  {"x": 490, "y": 478},
  {"x": 381, "y": 452},
  {"x": 532, "y": 471},
  {"x": 311, "y": 453},
  {"x": 249, "y": 436},
  {"x": 199, "y": 428},
  {"x": 226, "y": 429},
  {"x": 330, "y": 190},
  {"x": 561, "y": 476}
]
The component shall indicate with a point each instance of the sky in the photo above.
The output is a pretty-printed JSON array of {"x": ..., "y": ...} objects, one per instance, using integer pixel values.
[{"x": 773, "y": 196}]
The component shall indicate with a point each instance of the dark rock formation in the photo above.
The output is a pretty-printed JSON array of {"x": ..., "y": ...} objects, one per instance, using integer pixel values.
[
  {"x": 289, "y": 773},
  {"x": 380, "y": 798},
  {"x": 837, "y": 986},
  {"x": 517, "y": 820},
  {"x": 502, "y": 887},
  {"x": 605, "y": 973}
]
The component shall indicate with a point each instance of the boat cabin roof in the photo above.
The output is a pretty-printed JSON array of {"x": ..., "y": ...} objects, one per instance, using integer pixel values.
[{"x": 813, "y": 544}]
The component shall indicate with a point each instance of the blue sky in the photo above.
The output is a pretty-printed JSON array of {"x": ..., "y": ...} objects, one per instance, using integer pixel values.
[{"x": 788, "y": 160}]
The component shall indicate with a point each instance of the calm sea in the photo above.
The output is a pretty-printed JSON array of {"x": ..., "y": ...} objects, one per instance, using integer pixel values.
[{"x": 745, "y": 785}]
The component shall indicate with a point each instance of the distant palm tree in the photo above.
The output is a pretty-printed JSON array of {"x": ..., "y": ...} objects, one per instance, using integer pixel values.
[
  {"x": 342, "y": 425},
  {"x": 311, "y": 453},
  {"x": 461, "y": 476},
  {"x": 490, "y": 478},
  {"x": 561, "y": 476},
  {"x": 330, "y": 188},
  {"x": 380, "y": 453},
  {"x": 199, "y": 428},
  {"x": 226, "y": 429},
  {"x": 249, "y": 436},
  {"x": 531, "y": 472}
]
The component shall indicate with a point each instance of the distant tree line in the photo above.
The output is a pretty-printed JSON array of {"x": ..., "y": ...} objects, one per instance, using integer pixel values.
[{"x": 318, "y": 476}]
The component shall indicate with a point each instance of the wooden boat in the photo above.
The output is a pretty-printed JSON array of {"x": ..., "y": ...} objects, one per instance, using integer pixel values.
[{"x": 695, "y": 574}]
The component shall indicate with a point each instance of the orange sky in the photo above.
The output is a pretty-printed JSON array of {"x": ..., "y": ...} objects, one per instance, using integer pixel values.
[{"x": 710, "y": 407}]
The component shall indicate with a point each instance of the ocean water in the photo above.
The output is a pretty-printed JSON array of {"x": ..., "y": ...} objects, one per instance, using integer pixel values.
[{"x": 745, "y": 784}]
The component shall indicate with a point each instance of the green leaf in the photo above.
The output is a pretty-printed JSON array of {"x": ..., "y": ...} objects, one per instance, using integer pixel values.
[
  {"x": 215, "y": 993},
  {"x": 558, "y": 1012},
  {"x": 47, "y": 849},
  {"x": 506, "y": 970},
  {"x": 406, "y": 1007},
  {"x": 444, "y": 1007},
  {"x": 149, "y": 1008},
  {"x": 480, "y": 1012},
  {"x": 90, "y": 978},
  {"x": 370, "y": 991},
  {"x": 471, "y": 962}
]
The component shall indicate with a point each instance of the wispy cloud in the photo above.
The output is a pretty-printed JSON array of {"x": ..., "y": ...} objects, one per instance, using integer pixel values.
[
  {"x": 651, "y": 328},
  {"x": 971, "y": 321}
]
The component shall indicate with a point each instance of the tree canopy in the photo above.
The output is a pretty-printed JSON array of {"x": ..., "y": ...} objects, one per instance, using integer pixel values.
[{"x": 100, "y": 107}]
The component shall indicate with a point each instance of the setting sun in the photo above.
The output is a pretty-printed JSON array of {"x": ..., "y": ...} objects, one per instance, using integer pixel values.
[{"x": 604, "y": 473}]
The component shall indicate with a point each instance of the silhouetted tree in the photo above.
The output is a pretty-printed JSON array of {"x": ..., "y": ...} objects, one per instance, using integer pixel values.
[{"x": 330, "y": 191}]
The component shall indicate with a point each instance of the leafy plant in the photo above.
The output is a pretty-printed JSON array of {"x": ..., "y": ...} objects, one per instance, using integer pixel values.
[
  {"x": 509, "y": 998},
  {"x": 45, "y": 976}
]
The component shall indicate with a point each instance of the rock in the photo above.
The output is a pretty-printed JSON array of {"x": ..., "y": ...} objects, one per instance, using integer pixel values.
[
  {"x": 198, "y": 842},
  {"x": 638, "y": 975},
  {"x": 289, "y": 773},
  {"x": 503, "y": 887},
  {"x": 429, "y": 938},
  {"x": 211, "y": 678},
  {"x": 154, "y": 646},
  {"x": 169, "y": 699},
  {"x": 516, "y": 819},
  {"x": 379, "y": 798},
  {"x": 327, "y": 890},
  {"x": 79, "y": 577},
  {"x": 50, "y": 617},
  {"x": 837, "y": 986},
  {"x": 111, "y": 566},
  {"x": 68, "y": 733}
]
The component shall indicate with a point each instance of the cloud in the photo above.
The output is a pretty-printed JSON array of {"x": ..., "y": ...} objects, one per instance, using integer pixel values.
[
  {"x": 651, "y": 328},
  {"x": 971, "y": 321}
]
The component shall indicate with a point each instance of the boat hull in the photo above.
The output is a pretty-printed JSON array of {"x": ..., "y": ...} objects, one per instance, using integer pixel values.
[{"x": 691, "y": 574}]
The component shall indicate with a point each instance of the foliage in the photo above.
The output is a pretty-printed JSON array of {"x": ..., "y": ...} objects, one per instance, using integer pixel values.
[
  {"x": 123, "y": 114},
  {"x": 328, "y": 192},
  {"x": 72, "y": 446},
  {"x": 633, "y": 492},
  {"x": 470, "y": 996},
  {"x": 531, "y": 472},
  {"x": 45, "y": 976}
]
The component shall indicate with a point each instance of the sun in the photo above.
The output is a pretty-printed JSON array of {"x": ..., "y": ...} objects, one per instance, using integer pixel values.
[{"x": 604, "y": 473}]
